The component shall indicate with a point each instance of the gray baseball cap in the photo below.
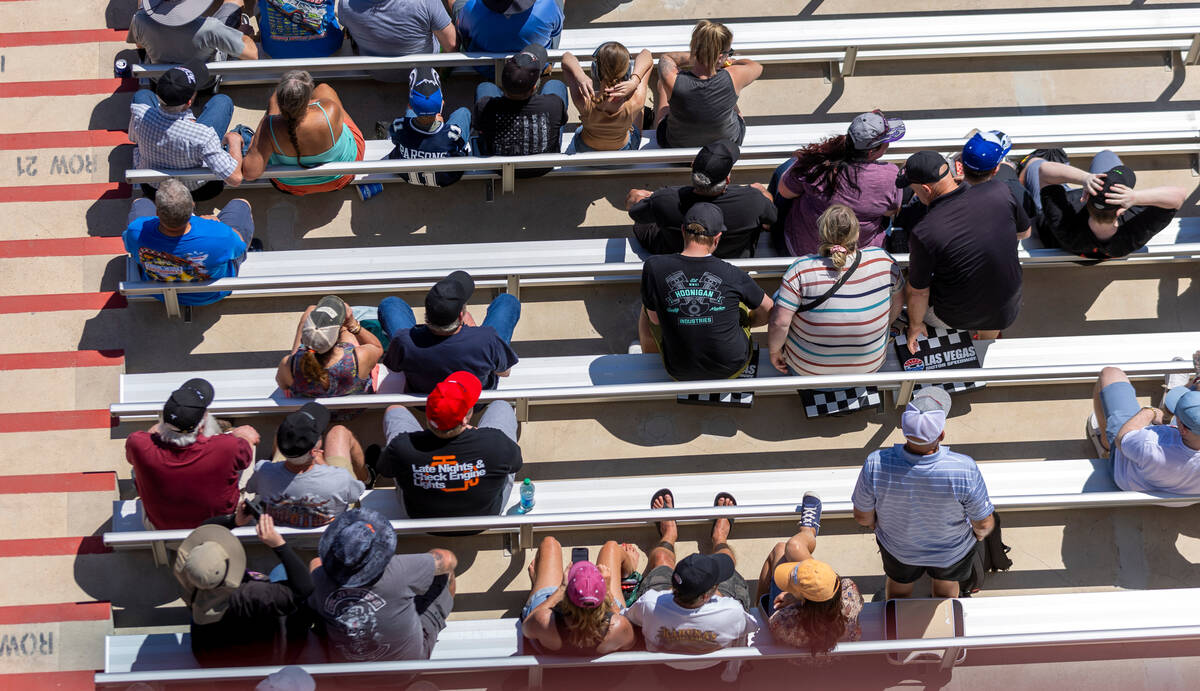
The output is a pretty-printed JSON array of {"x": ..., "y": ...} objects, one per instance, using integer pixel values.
[{"x": 869, "y": 130}]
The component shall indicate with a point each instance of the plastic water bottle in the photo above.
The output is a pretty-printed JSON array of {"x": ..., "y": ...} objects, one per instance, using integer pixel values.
[{"x": 526, "y": 497}]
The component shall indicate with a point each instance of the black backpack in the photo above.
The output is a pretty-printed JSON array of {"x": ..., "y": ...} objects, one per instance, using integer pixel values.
[{"x": 990, "y": 555}]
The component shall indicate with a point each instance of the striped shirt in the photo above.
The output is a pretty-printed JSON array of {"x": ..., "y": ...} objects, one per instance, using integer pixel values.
[
  {"x": 848, "y": 333},
  {"x": 923, "y": 504},
  {"x": 175, "y": 141}
]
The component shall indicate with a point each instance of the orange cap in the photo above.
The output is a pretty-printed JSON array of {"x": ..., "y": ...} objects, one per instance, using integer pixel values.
[{"x": 810, "y": 579}]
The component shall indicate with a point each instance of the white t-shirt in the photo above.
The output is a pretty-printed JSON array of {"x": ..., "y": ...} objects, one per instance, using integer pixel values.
[
  {"x": 669, "y": 628},
  {"x": 1156, "y": 459}
]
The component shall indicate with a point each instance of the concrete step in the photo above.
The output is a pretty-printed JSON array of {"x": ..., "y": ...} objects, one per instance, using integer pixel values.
[
  {"x": 56, "y": 505},
  {"x": 62, "y": 55},
  {"x": 53, "y": 637}
]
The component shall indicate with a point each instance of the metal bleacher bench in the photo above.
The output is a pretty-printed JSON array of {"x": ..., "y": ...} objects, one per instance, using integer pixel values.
[
  {"x": 766, "y": 146},
  {"x": 1123, "y": 616},
  {"x": 511, "y": 265},
  {"x": 840, "y": 43}
]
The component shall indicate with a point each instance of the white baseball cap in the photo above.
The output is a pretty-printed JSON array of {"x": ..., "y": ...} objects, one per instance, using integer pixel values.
[{"x": 924, "y": 417}]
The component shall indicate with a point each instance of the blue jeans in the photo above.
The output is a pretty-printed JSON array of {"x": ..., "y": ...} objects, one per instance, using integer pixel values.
[
  {"x": 579, "y": 147},
  {"x": 550, "y": 87},
  {"x": 1101, "y": 163},
  {"x": 217, "y": 113},
  {"x": 783, "y": 207},
  {"x": 502, "y": 315}
]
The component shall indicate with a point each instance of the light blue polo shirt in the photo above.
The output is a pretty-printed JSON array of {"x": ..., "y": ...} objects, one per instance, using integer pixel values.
[{"x": 923, "y": 505}]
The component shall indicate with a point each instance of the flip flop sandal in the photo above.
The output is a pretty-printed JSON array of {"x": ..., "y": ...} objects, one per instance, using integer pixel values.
[
  {"x": 717, "y": 501},
  {"x": 664, "y": 492}
]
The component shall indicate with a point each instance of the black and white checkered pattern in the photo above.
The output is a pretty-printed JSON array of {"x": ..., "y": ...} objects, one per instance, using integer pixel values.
[
  {"x": 937, "y": 339},
  {"x": 738, "y": 399},
  {"x": 818, "y": 403}
]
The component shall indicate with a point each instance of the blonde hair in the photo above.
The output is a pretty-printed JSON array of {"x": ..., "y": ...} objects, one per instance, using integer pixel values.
[
  {"x": 709, "y": 41},
  {"x": 292, "y": 95},
  {"x": 586, "y": 627},
  {"x": 610, "y": 64},
  {"x": 837, "y": 228}
]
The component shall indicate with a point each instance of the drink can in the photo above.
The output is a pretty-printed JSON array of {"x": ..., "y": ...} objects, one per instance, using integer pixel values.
[
  {"x": 368, "y": 190},
  {"x": 121, "y": 68}
]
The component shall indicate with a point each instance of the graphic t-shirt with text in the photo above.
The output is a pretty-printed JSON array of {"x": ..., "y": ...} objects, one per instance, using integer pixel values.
[
  {"x": 669, "y": 628},
  {"x": 696, "y": 300},
  {"x": 414, "y": 143},
  {"x": 207, "y": 251},
  {"x": 463, "y": 476},
  {"x": 304, "y": 500}
]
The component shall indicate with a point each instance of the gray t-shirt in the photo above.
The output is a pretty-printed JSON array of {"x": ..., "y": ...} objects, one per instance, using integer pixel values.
[
  {"x": 304, "y": 500},
  {"x": 380, "y": 621},
  {"x": 201, "y": 38},
  {"x": 392, "y": 28}
]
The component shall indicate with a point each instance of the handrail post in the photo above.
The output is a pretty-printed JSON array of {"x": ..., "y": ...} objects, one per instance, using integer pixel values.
[
  {"x": 1193, "y": 53},
  {"x": 849, "y": 60},
  {"x": 159, "y": 549},
  {"x": 171, "y": 301},
  {"x": 522, "y": 410},
  {"x": 904, "y": 393},
  {"x": 508, "y": 177},
  {"x": 514, "y": 285},
  {"x": 525, "y": 537}
]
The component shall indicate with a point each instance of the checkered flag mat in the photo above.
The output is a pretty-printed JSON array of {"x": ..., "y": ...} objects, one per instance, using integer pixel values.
[
  {"x": 737, "y": 399},
  {"x": 942, "y": 349},
  {"x": 818, "y": 403}
]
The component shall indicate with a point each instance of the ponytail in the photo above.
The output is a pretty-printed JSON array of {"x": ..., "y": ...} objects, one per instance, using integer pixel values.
[
  {"x": 837, "y": 228},
  {"x": 311, "y": 368},
  {"x": 610, "y": 66}
]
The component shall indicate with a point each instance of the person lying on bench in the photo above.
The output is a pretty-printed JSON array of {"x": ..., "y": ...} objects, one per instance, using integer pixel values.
[
  {"x": 807, "y": 604},
  {"x": 579, "y": 612},
  {"x": 1108, "y": 218},
  {"x": 698, "y": 310},
  {"x": 746, "y": 209}
]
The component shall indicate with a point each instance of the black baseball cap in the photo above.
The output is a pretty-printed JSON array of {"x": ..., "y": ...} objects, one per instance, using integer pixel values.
[
  {"x": 697, "y": 574},
  {"x": 185, "y": 407},
  {"x": 1120, "y": 175},
  {"x": 508, "y": 7},
  {"x": 716, "y": 160},
  {"x": 522, "y": 71},
  {"x": 179, "y": 84},
  {"x": 446, "y": 299},
  {"x": 708, "y": 216},
  {"x": 923, "y": 167},
  {"x": 300, "y": 431}
]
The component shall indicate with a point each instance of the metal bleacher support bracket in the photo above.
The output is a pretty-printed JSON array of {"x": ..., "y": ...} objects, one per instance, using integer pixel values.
[
  {"x": 849, "y": 60},
  {"x": 513, "y": 286},
  {"x": 171, "y": 301},
  {"x": 522, "y": 410},
  {"x": 904, "y": 393},
  {"x": 1193, "y": 53}
]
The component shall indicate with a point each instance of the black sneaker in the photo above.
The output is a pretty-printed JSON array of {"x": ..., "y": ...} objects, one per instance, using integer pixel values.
[
  {"x": 810, "y": 511},
  {"x": 371, "y": 457},
  {"x": 381, "y": 129},
  {"x": 256, "y": 245}
]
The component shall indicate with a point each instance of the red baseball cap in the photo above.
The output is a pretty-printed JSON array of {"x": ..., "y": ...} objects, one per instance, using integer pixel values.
[{"x": 451, "y": 399}]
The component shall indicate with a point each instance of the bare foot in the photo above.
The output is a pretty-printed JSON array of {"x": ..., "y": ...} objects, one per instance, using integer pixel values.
[
  {"x": 721, "y": 526},
  {"x": 630, "y": 558},
  {"x": 532, "y": 572},
  {"x": 666, "y": 529}
]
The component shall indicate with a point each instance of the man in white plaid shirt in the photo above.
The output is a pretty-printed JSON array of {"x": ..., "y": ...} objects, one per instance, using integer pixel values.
[{"x": 169, "y": 137}]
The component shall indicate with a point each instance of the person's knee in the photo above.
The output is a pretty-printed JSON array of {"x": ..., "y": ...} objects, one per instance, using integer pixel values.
[
  {"x": 339, "y": 440},
  {"x": 239, "y": 200},
  {"x": 548, "y": 543},
  {"x": 778, "y": 550},
  {"x": 610, "y": 544},
  {"x": 1110, "y": 375}
]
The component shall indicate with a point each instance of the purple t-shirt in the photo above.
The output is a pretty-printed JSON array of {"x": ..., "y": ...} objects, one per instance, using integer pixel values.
[{"x": 874, "y": 197}]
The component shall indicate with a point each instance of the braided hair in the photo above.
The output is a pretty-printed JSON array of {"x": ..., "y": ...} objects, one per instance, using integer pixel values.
[{"x": 292, "y": 95}]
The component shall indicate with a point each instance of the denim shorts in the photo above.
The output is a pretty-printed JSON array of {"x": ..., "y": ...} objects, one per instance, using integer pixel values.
[
  {"x": 1119, "y": 403},
  {"x": 537, "y": 598}
]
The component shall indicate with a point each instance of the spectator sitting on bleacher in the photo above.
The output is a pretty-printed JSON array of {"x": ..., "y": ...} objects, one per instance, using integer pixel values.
[
  {"x": 609, "y": 99},
  {"x": 294, "y": 29},
  {"x": 322, "y": 473},
  {"x": 168, "y": 136},
  {"x": 372, "y": 603},
  {"x": 503, "y": 26},
  {"x": 332, "y": 355},
  {"x": 963, "y": 272},
  {"x": 806, "y": 603},
  {"x": 185, "y": 470},
  {"x": 840, "y": 170},
  {"x": 171, "y": 244},
  {"x": 698, "y": 310},
  {"x": 579, "y": 612},
  {"x": 1108, "y": 218},
  {"x": 697, "y": 606},
  {"x": 1147, "y": 455},
  {"x": 304, "y": 118},
  {"x": 928, "y": 505},
  {"x": 521, "y": 119},
  {"x": 697, "y": 92},
  {"x": 452, "y": 468},
  {"x": 449, "y": 340},
  {"x": 177, "y": 31},
  {"x": 393, "y": 28},
  {"x": 240, "y": 617},
  {"x": 833, "y": 308},
  {"x": 424, "y": 134},
  {"x": 983, "y": 160},
  {"x": 747, "y": 209}
]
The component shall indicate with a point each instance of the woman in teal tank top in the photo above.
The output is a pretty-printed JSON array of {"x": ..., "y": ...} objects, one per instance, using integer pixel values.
[{"x": 305, "y": 126}]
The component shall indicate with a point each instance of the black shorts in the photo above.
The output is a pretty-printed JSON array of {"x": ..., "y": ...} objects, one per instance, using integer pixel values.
[
  {"x": 900, "y": 572},
  {"x": 662, "y": 134}
]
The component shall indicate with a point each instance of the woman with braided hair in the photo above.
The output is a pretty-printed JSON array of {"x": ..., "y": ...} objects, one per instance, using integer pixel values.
[
  {"x": 305, "y": 126},
  {"x": 609, "y": 99}
]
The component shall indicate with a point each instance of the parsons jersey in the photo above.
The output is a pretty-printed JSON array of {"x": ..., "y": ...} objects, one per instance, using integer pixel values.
[{"x": 411, "y": 143}]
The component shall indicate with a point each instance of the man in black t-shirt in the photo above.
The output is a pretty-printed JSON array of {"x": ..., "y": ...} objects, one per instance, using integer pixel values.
[
  {"x": 963, "y": 267},
  {"x": 521, "y": 120},
  {"x": 1107, "y": 218},
  {"x": 449, "y": 340},
  {"x": 698, "y": 310},
  {"x": 747, "y": 209},
  {"x": 452, "y": 468}
]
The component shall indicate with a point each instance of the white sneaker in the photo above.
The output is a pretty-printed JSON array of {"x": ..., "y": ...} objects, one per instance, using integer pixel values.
[
  {"x": 1176, "y": 379},
  {"x": 635, "y": 348},
  {"x": 1093, "y": 434}
]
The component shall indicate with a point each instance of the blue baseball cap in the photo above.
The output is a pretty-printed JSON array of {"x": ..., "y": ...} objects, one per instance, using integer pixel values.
[
  {"x": 985, "y": 150},
  {"x": 1184, "y": 404},
  {"x": 424, "y": 91}
]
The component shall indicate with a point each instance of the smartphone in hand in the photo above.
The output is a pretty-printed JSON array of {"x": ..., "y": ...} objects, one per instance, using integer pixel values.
[{"x": 579, "y": 554}]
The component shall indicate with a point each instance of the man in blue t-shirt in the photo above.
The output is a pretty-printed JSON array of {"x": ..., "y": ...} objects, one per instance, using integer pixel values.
[
  {"x": 423, "y": 133},
  {"x": 929, "y": 506},
  {"x": 171, "y": 244},
  {"x": 449, "y": 341},
  {"x": 505, "y": 26}
]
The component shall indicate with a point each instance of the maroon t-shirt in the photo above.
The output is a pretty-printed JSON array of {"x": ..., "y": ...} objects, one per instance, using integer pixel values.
[{"x": 181, "y": 487}]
